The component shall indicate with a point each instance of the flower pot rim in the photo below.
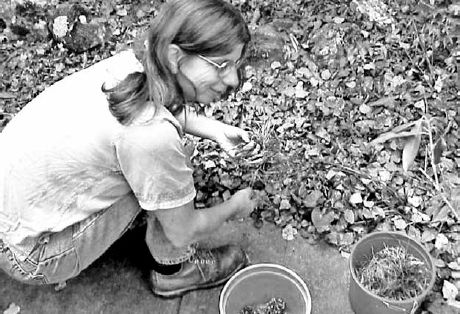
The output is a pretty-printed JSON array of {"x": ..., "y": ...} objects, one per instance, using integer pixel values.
[{"x": 388, "y": 300}]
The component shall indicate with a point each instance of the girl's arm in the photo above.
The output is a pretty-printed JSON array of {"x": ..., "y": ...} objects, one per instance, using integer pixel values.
[
  {"x": 185, "y": 225},
  {"x": 227, "y": 136},
  {"x": 199, "y": 125}
]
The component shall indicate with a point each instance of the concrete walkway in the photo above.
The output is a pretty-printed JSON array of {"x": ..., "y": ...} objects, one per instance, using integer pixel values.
[{"x": 117, "y": 282}]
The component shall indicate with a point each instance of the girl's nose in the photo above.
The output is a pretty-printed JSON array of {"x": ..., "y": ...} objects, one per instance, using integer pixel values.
[{"x": 231, "y": 79}]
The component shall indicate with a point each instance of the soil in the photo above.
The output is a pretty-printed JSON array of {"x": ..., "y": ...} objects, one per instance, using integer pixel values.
[{"x": 274, "y": 306}]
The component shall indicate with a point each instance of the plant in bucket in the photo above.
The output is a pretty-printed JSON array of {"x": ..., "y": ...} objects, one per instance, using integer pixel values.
[
  {"x": 265, "y": 289},
  {"x": 390, "y": 273}
]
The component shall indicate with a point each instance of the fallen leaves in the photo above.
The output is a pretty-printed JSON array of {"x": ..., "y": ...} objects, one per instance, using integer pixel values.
[
  {"x": 322, "y": 220},
  {"x": 288, "y": 233},
  {"x": 12, "y": 309},
  {"x": 6, "y": 95},
  {"x": 377, "y": 10},
  {"x": 356, "y": 198},
  {"x": 311, "y": 199},
  {"x": 337, "y": 99},
  {"x": 450, "y": 292},
  {"x": 441, "y": 242}
]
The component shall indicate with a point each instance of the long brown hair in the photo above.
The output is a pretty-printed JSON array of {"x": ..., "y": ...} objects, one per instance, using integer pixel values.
[{"x": 207, "y": 27}]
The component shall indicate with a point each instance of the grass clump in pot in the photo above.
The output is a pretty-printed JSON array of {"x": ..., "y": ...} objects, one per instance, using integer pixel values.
[{"x": 395, "y": 274}]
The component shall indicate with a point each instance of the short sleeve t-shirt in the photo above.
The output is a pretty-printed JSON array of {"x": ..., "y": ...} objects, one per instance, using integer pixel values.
[{"x": 64, "y": 157}]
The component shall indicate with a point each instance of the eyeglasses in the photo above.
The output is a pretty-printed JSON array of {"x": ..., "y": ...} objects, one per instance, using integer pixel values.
[{"x": 225, "y": 67}]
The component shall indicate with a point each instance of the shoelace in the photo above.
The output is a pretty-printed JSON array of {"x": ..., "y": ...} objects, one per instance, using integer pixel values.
[{"x": 203, "y": 256}]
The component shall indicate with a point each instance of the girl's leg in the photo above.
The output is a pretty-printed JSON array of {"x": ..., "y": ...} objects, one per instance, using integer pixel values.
[
  {"x": 60, "y": 256},
  {"x": 184, "y": 269},
  {"x": 161, "y": 248}
]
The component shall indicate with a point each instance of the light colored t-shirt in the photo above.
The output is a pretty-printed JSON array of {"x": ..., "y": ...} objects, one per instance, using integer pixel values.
[{"x": 64, "y": 157}]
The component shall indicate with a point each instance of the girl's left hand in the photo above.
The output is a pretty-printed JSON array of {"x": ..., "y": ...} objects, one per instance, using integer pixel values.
[{"x": 230, "y": 137}]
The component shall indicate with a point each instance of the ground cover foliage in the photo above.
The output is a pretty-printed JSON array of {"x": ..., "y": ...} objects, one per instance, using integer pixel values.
[{"x": 354, "y": 119}]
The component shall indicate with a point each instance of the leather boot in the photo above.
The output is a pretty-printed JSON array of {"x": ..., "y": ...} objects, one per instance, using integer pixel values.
[{"x": 207, "y": 268}]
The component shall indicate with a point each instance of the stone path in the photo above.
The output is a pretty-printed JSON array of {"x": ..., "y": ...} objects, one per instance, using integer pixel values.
[{"x": 117, "y": 282}]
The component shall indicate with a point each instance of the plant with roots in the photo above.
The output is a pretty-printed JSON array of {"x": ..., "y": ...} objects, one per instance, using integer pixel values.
[{"x": 261, "y": 151}]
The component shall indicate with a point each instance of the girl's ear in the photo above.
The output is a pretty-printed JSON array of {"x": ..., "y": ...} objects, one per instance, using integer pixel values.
[{"x": 174, "y": 54}]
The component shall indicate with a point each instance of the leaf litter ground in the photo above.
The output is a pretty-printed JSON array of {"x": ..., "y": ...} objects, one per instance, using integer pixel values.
[{"x": 350, "y": 71}]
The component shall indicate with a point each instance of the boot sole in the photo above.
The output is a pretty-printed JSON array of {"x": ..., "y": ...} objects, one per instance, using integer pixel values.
[{"x": 181, "y": 292}]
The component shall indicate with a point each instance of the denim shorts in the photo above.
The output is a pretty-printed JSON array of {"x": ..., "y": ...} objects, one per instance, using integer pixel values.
[
  {"x": 57, "y": 257},
  {"x": 52, "y": 260},
  {"x": 24, "y": 271}
]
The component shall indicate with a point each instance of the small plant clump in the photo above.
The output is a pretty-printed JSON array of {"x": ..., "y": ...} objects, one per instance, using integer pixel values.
[
  {"x": 274, "y": 306},
  {"x": 395, "y": 274}
]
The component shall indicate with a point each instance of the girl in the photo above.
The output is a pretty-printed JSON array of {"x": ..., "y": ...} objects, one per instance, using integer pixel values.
[{"x": 92, "y": 151}]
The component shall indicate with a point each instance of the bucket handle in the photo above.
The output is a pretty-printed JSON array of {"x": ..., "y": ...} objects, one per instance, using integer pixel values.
[{"x": 397, "y": 308}]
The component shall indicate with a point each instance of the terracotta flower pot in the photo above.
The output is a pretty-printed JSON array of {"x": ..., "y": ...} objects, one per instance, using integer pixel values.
[{"x": 365, "y": 302}]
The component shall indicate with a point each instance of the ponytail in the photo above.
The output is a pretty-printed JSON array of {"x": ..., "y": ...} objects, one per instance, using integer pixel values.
[{"x": 128, "y": 97}]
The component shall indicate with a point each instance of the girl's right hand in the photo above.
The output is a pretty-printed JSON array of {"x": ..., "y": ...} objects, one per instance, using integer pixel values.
[{"x": 244, "y": 202}]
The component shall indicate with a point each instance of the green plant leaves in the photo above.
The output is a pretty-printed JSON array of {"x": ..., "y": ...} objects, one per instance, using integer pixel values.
[
  {"x": 322, "y": 221},
  {"x": 439, "y": 148},
  {"x": 400, "y": 131},
  {"x": 411, "y": 146}
]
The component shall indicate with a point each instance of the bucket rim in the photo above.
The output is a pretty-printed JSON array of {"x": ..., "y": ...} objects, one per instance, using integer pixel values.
[
  {"x": 415, "y": 299},
  {"x": 249, "y": 268}
]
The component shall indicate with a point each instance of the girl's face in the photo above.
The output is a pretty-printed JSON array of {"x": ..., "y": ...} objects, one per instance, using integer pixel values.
[{"x": 201, "y": 81}]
